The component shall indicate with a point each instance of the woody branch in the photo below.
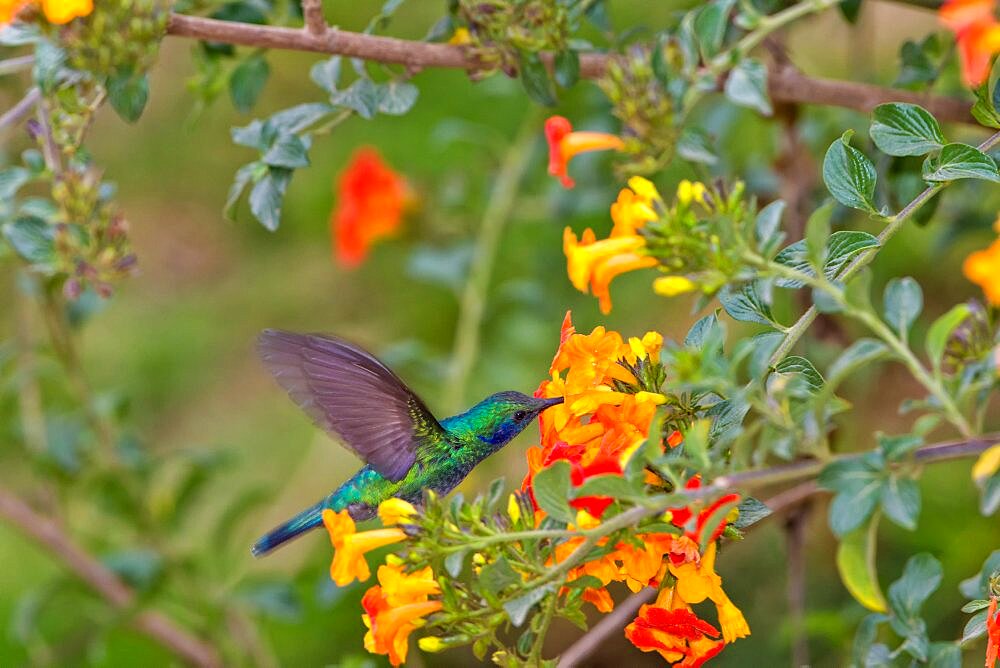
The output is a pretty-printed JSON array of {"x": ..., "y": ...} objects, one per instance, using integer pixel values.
[{"x": 785, "y": 82}]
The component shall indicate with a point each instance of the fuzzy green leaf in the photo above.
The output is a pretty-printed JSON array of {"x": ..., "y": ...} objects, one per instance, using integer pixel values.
[
  {"x": 903, "y": 301},
  {"x": 247, "y": 81},
  {"x": 268, "y": 195},
  {"x": 746, "y": 304},
  {"x": 859, "y": 354},
  {"x": 567, "y": 68},
  {"x": 397, "y": 98},
  {"x": 128, "y": 93},
  {"x": 856, "y": 565},
  {"x": 940, "y": 330},
  {"x": 551, "y": 486},
  {"x": 535, "y": 79},
  {"x": 921, "y": 577},
  {"x": 746, "y": 86},
  {"x": 901, "y": 501}
]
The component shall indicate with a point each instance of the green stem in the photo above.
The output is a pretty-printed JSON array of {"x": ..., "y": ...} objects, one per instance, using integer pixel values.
[
  {"x": 768, "y": 25},
  {"x": 535, "y": 658},
  {"x": 514, "y": 536},
  {"x": 864, "y": 258},
  {"x": 473, "y": 301}
]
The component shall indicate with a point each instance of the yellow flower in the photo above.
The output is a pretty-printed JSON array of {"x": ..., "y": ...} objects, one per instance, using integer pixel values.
[
  {"x": 648, "y": 346},
  {"x": 987, "y": 464},
  {"x": 698, "y": 581},
  {"x": 389, "y": 628},
  {"x": 629, "y": 213},
  {"x": 395, "y": 511},
  {"x": 431, "y": 644},
  {"x": 350, "y": 547},
  {"x": 597, "y": 262},
  {"x": 460, "y": 36},
  {"x": 644, "y": 189},
  {"x": 401, "y": 588},
  {"x": 688, "y": 192},
  {"x": 61, "y": 12},
  {"x": 983, "y": 269},
  {"x": 671, "y": 286},
  {"x": 513, "y": 509}
]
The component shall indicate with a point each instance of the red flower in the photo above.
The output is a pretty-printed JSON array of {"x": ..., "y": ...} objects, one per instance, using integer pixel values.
[
  {"x": 681, "y": 517},
  {"x": 564, "y": 143},
  {"x": 992, "y": 633},
  {"x": 678, "y": 635},
  {"x": 977, "y": 35},
  {"x": 370, "y": 204}
]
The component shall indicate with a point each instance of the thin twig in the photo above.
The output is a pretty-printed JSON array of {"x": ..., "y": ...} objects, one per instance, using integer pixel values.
[
  {"x": 49, "y": 535},
  {"x": 473, "y": 301},
  {"x": 14, "y": 65},
  {"x": 785, "y": 83},
  {"x": 21, "y": 110},
  {"x": 316, "y": 24}
]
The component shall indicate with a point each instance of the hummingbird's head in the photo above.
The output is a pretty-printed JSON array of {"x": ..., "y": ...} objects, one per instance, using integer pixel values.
[{"x": 500, "y": 417}]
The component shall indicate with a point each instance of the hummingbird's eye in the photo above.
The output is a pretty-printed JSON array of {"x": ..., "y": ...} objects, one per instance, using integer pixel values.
[{"x": 520, "y": 415}]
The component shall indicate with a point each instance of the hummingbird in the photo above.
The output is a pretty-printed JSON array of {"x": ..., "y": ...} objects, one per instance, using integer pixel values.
[{"x": 361, "y": 403}]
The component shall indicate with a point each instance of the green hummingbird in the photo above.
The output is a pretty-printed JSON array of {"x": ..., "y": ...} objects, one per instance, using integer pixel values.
[{"x": 360, "y": 401}]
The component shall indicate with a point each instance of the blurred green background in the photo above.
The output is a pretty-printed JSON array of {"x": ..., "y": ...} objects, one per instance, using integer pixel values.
[{"x": 177, "y": 341}]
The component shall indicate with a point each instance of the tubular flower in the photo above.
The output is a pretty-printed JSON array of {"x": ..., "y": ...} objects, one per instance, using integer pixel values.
[
  {"x": 400, "y": 588},
  {"x": 672, "y": 629},
  {"x": 395, "y": 511},
  {"x": 370, "y": 202},
  {"x": 977, "y": 35},
  {"x": 596, "y": 263},
  {"x": 389, "y": 627},
  {"x": 564, "y": 144},
  {"x": 696, "y": 582},
  {"x": 992, "y": 633},
  {"x": 983, "y": 269},
  {"x": 350, "y": 547}
]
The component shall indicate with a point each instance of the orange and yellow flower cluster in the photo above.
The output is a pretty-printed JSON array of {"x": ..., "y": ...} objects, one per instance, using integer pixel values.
[
  {"x": 596, "y": 429},
  {"x": 977, "y": 35},
  {"x": 398, "y": 604},
  {"x": 57, "y": 12},
  {"x": 593, "y": 263}
]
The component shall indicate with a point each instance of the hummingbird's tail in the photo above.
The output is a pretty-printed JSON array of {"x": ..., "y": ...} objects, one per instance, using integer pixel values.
[{"x": 308, "y": 519}]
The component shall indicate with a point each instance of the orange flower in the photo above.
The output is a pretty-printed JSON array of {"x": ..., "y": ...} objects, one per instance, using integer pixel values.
[
  {"x": 992, "y": 633},
  {"x": 698, "y": 581},
  {"x": 349, "y": 561},
  {"x": 671, "y": 628},
  {"x": 564, "y": 143},
  {"x": 58, "y": 12},
  {"x": 370, "y": 201},
  {"x": 389, "y": 627},
  {"x": 977, "y": 35},
  {"x": 983, "y": 269}
]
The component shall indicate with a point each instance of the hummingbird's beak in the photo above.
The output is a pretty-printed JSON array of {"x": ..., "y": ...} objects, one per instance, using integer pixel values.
[{"x": 554, "y": 401}]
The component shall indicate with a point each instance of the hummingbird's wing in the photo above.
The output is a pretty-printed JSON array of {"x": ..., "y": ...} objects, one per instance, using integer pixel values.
[{"x": 351, "y": 395}]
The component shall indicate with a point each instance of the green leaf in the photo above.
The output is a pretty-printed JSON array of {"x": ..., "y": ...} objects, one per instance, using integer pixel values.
[
  {"x": 975, "y": 628},
  {"x": 841, "y": 247},
  {"x": 989, "y": 499},
  {"x": 905, "y": 129},
  {"x": 247, "y": 81},
  {"x": 849, "y": 175},
  {"x": 535, "y": 79},
  {"x": 895, "y": 448},
  {"x": 751, "y": 512},
  {"x": 611, "y": 485},
  {"x": 326, "y": 74},
  {"x": 856, "y": 565},
  {"x": 694, "y": 145},
  {"x": 710, "y": 24},
  {"x": 49, "y": 62},
  {"x": 567, "y": 68},
  {"x": 455, "y": 562},
  {"x": 746, "y": 86},
  {"x": 903, "y": 301},
  {"x": 984, "y": 110},
  {"x": 244, "y": 175},
  {"x": 976, "y": 606},
  {"x": 960, "y": 161},
  {"x": 861, "y": 353},
  {"x": 268, "y": 195},
  {"x": 945, "y": 655},
  {"x": 498, "y": 575},
  {"x": 865, "y": 636},
  {"x": 940, "y": 330},
  {"x": 978, "y": 585},
  {"x": 32, "y": 239},
  {"x": 519, "y": 608},
  {"x": 858, "y": 484},
  {"x": 398, "y": 97},
  {"x": 288, "y": 150},
  {"x": 746, "y": 304},
  {"x": 767, "y": 226},
  {"x": 11, "y": 180},
  {"x": 921, "y": 577},
  {"x": 362, "y": 96},
  {"x": 817, "y": 233},
  {"x": 551, "y": 486},
  {"x": 901, "y": 501},
  {"x": 128, "y": 93},
  {"x": 793, "y": 364}
]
